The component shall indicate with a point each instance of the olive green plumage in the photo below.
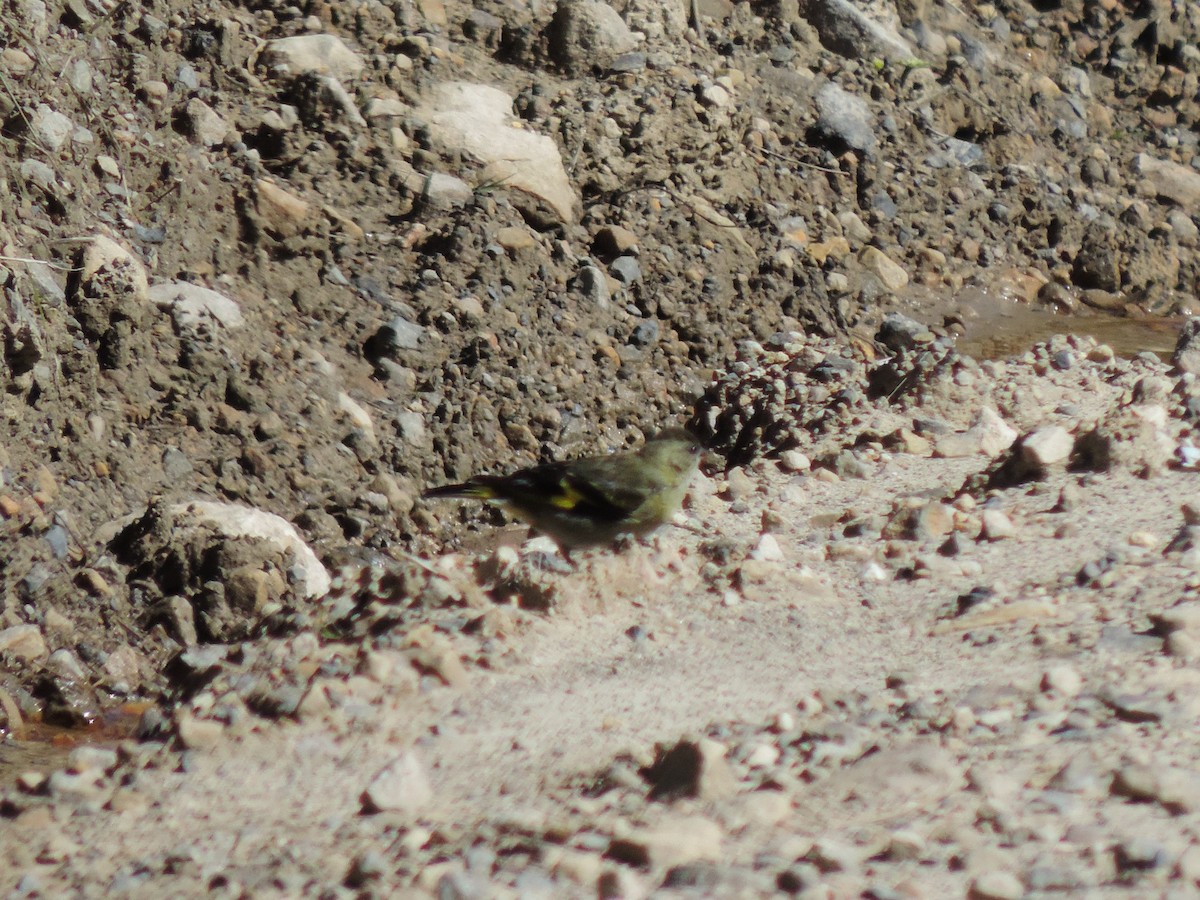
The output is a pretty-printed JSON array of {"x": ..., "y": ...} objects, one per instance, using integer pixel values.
[{"x": 589, "y": 502}]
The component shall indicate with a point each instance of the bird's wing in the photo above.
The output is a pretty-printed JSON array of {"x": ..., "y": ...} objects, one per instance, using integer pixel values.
[{"x": 560, "y": 485}]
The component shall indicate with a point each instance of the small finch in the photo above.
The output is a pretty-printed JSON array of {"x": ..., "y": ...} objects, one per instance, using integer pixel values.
[{"x": 589, "y": 502}]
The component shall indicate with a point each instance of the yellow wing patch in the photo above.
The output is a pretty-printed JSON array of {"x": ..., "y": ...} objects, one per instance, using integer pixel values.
[{"x": 567, "y": 498}]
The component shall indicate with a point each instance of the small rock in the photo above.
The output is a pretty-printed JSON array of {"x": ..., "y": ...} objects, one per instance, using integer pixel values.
[
  {"x": 626, "y": 270},
  {"x": 794, "y": 461},
  {"x": 899, "y": 332},
  {"x": 402, "y": 786},
  {"x": 997, "y": 885},
  {"x": 767, "y": 549},
  {"x": 890, "y": 273},
  {"x": 51, "y": 128},
  {"x": 1063, "y": 680},
  {"x": 73, "y": 787},
  {"x": 905, "y": 845},
  {"x": 1177, "y": 183},
  {"x": 675, "y": 841},
  {"x": 282, "y": 212},
  {"x": 1046, "y": 447},
  {"x": 932, "y": 520},
  {"x": 592, "y": 283},
  {"x": 513, "y": 238},
  {"x": 614, "y": 241},
  {"x": 853, "y": 33},
  {"x": 92, "y": 759},
  {"x": 830, "y": 855},
  {"x": 442, "y": 191},
  {"x": 1186, "y": 357},
  {"x": 194, "y": 308},
  {"x": 739, "y": 485},
  {"x": 847, "y": 118},
  {"x": 996, "y": 525},
  {"x": 476, "y": 120},
  {"x": 199, "y": 734},
  {"x": 766, "y": 808},
  {"x": 23, "y": 642},
  {"x": 204, "y": 125},
  {"x": 1176, "y": 790}
]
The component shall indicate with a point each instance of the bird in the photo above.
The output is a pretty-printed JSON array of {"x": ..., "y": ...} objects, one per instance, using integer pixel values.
[{"x": 589, "y": 502}]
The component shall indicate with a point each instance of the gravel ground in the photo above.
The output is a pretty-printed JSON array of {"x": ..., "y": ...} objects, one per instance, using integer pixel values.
[{"x": 269, "y": 271}]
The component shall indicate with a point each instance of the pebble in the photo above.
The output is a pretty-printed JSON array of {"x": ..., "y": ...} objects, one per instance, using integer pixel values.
[
  {"x": 1046, "y": 447},
  {"x": 794, "y": 461},
  {"x": 205, "y": 126},
  {"x": 626, "y": 270},
  {"x": 23, "y": 642},
  {"x": 592, "y": 283},
  {"x": 674, "y": 841},
  {"x": 997, "y": 885},
  {"x": 51, "y": 128},
  {"x": 890, "y": 273},
  {"x": 1175, "y": 789},
  {"x": 402, "y": 786},
  {"x": 1062, "y": 679},
  {"x": 996, "y": 525},
  {"x": 830, "y": 855},
  {"x": 767, "y": 549},
  {"x": 739, "y": 485}
]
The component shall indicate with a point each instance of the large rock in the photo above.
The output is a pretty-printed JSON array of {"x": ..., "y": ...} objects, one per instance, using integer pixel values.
[
  {"x": 1168, "y": 180},
  {"x": 477, "y": 119},
  {"x": 196, "y": 308},
  {"x": 847, "y": 30},
  {"x": 320, "y": 54},
  {"x": 588, "y": 33}
]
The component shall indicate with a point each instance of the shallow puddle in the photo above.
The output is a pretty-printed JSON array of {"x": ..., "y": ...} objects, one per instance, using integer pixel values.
[
  {"x": 997, "y": 327},
  {"x": 38, "y": 747}
]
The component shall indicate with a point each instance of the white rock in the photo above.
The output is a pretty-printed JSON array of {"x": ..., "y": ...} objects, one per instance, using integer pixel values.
[
  {"x": 587, "y": 33},
  {"x": 768, "y": 549},
  {"x": 232, "y": 521},
  {"x": 794, "y": 461},
  {"x": 850, "y": 31},
  {"x": 1046, "y": 446},
  {"x": 988, "y": 434},
  {"x": 477, "y": 119},
  {"x": 37, "y": 172},
  {"x": 194, "y": 307},
  {"x": 207, "y": 128},
  {"x": 102, "y": 252},
  {"x": 1062, "y": 679},
  {"x": 442, "y": 191},
  {"x": 402, "y": 786},
  {"x": 997, "y": 885},
  {"x": 23, "y": 642},
  {"x": 357, "y": 415},
  {"x": 51, "y": 128},
  {"x": 997, "y": 525},
  {"x": 323, "y": 54},
  {"x": 1177, "y": 183}
]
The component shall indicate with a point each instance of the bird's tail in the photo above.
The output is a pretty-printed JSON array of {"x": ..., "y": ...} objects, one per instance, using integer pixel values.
[{"x": 473, "y": 490}]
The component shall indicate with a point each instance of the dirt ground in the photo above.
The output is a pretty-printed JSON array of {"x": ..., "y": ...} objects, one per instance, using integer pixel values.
[{"x": 927, "y": 625}]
